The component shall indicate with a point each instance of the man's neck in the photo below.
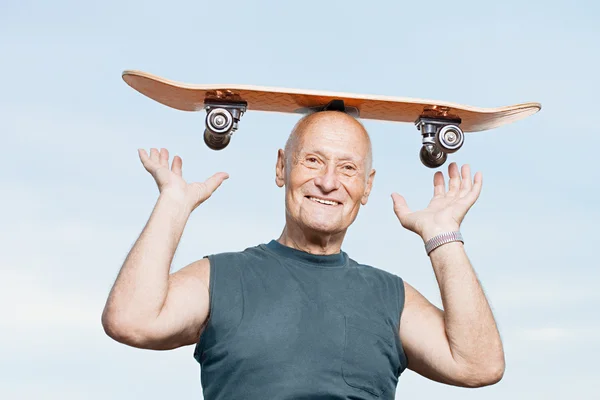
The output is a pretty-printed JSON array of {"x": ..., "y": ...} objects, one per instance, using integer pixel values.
[{"x": 312, "y": 242}]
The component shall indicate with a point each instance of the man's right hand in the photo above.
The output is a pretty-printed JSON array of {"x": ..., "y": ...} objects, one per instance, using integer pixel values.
[{"x": 171, "y": 182}]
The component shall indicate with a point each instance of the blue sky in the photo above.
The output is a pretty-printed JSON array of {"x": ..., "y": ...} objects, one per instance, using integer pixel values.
[{"x": 75, "y": 196}]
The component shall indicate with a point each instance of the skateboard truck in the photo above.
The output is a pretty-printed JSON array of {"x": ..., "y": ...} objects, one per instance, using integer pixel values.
[
  {"x": 440, "y": 138},
  {"x": 221, "y": 121}
]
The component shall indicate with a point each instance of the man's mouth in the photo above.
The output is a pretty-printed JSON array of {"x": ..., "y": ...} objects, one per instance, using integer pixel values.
[{"x": 323, "y": 201}]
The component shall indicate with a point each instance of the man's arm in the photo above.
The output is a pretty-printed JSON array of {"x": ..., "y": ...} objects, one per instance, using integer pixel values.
[
  {"x": 461, "y": 345},
  {"x": 148, "y": 307}
]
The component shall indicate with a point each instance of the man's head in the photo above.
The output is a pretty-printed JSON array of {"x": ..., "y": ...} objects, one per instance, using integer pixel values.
[{"x": 326, "y": 168}]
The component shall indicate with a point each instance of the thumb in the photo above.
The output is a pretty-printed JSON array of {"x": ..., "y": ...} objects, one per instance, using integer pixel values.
[
  {"x": 207, "y": 188},
  {"x": 400, "y": 207},
  {"x": 215, "y": 181}
]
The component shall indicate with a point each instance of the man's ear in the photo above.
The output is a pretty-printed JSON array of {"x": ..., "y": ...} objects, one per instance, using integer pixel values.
[
  {"x": 280, "y": 168},
  {"x": 368, "y": 188}
]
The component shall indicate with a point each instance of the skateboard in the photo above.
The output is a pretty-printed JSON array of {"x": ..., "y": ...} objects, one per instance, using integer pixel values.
[{"x": 442, "y": 124}]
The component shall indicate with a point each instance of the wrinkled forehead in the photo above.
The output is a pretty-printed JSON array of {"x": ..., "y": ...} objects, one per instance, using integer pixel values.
[{"x": 333, "y": 133}]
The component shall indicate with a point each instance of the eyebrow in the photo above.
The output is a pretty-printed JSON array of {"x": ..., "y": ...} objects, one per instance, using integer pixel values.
[{"x": 342, "y": 158}]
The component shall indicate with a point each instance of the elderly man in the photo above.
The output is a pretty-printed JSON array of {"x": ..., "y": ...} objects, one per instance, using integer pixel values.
[{"x": 297, "y": 318}]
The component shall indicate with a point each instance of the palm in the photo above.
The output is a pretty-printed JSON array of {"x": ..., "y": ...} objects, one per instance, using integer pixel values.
[
  {"x": 167, "y": 179},
  {"x": 170, "y": 180},
  {"x": 447, "y": 209}
]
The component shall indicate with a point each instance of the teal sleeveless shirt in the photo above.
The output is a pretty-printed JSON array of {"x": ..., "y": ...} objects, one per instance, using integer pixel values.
[{"x": 285, "y": 324}]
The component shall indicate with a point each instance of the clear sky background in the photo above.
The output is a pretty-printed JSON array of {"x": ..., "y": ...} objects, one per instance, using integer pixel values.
[{"x": 74, "y": 195}]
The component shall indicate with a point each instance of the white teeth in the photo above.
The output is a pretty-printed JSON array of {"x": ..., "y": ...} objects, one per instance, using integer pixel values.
[{"x": 331, "y": 203}]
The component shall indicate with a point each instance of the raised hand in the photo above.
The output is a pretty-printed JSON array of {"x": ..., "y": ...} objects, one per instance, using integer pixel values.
[
  {"x": 171, "y": 182},
  {"x": 447, "y": 209}
]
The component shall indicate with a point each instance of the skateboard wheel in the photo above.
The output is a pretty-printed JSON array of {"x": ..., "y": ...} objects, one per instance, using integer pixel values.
[
  {"x": 219, "y": 121},
  {"x": 432, "y": 157},
  {"x": 216, "y": 141},
  {"x": 450, "y": 138}
]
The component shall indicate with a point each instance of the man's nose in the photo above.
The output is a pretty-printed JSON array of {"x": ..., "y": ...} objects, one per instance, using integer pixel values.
[{"x": 328, "y": 180}]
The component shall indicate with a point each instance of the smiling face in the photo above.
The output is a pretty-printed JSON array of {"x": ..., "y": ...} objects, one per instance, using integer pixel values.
[{"x": 326, "y": 169}]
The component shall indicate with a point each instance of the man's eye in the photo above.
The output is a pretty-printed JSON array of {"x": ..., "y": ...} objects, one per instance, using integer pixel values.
[
  {"x": 312, "y": 159},
  {"x": 349, "y": 168}
]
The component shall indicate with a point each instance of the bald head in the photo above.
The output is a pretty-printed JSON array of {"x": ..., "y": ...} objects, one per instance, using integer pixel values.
[{"x": 347, "y": 125}]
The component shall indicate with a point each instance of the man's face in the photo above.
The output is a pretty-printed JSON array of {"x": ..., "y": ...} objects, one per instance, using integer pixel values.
[{"x": 326, "y": 173}]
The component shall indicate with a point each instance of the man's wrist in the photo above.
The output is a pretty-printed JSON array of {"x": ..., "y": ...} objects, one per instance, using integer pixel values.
[
  {"x": 428, "y": 234},
  {"x": 175, "y": 202},
  {"x": 442, "y": 239}
]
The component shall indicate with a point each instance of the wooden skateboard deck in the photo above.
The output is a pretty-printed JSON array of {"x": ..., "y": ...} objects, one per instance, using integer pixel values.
[{"x": 194, "y": 97}]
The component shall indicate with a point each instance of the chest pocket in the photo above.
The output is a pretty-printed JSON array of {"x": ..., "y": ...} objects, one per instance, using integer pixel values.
[{"x": 369, "y": 357}]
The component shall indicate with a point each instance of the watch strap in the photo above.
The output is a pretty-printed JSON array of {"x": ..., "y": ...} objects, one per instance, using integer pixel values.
[{"x": 441, "y": 239}]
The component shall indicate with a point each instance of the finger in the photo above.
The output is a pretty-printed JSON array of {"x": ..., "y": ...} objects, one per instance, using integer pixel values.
[
  {"x": 154, "y": 156},
  {"x": 439, "y": 186},
  {"x": 144, "y": 158},
  {"x": 475, "y": 191},
  {"x": 164, "y": 157},
  {"x": 400, "y": 206},
  {"x": 454, "y": 183},
  {"x": 477, "y": 184},
  {"x": 465, "y": 185},
  {"x": 176, "y": 166},
  {"x": 143, "y": 155}
]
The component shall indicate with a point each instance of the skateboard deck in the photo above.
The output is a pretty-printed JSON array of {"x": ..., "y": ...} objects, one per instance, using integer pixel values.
[{"x": 430, "y": 116}]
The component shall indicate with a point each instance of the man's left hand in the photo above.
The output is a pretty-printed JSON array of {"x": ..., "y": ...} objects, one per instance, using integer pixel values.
[{"x": 447, "y": 209}]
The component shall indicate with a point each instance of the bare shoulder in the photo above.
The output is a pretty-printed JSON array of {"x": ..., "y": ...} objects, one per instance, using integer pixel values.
[
  {"x": 413, "y": 297},
  {"x": 198, "y": 272},
  {"x": 189, "y": 288},
  {"x": 418, "y": 306}
]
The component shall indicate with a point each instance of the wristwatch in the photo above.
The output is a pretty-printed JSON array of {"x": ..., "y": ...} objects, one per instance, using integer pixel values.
[{"x": 441, "y": 239}]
